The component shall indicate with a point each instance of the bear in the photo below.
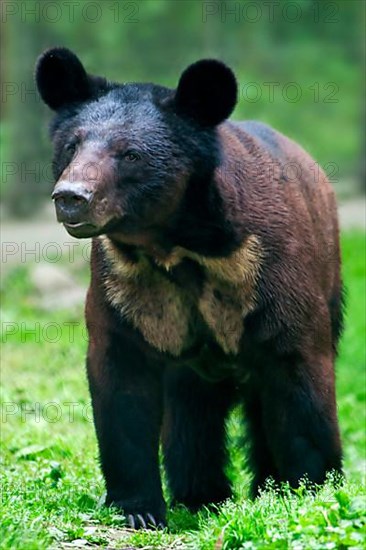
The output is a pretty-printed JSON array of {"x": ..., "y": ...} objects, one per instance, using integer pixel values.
[{"x": 215, "y": 283}]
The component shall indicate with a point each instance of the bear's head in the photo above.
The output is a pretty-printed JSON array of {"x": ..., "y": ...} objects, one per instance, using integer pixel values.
[{"x": 125, "y": 155}]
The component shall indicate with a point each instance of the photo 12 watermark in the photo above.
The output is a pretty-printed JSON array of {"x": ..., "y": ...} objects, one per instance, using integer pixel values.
[
  {"x": 49, "y": 252},
  {"x": 50, "y": 412},
  {"x": 270, "y": 11},
  {"x": 70, "y": 11},
  {"x": 289, "y": 92},
  {"x": 251, "y": 92}
]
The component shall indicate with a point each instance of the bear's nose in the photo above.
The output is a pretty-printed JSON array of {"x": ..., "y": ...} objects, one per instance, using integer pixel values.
[{"x": 71, "y": 201}]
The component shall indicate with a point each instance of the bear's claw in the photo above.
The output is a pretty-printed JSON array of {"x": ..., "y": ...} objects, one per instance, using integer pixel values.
[{"x": 144, "y": 521}]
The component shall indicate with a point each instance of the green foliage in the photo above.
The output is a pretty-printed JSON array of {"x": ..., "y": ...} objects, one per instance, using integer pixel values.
[
  {"x": 52, "y": 487},
  {"x": 302, "y": 521}
]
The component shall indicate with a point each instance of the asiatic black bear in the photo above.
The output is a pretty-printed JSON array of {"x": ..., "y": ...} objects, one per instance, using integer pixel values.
[{"x": 215, "y": 280}]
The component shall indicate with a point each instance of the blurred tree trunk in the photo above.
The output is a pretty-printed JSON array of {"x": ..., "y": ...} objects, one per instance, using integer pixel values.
[{"x": 26, "y": 174}]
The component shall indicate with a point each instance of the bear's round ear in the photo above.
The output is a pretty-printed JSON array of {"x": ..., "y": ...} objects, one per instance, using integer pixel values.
[
  {"x": 207, "y": 92},
  {"x": 61, "y": 78}
]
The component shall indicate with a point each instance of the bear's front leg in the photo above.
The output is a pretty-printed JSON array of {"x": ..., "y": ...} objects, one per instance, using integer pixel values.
[{"x": 127, "y": 407}]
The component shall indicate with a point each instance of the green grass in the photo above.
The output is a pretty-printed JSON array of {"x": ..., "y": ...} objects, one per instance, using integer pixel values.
[{"x": 51, "y": 482}]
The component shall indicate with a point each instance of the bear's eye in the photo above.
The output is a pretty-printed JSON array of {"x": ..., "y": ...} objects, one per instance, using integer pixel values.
[
  {"x": 71, "y": 146},
  {"x": 132, "y": 156}
]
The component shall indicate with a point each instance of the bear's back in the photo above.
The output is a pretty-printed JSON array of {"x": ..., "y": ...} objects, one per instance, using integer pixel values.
[{"x": 295, "y": 202}]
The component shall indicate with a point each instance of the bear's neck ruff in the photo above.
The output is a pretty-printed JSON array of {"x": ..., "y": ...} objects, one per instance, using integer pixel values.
[{"x": 164, "y": 312}]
